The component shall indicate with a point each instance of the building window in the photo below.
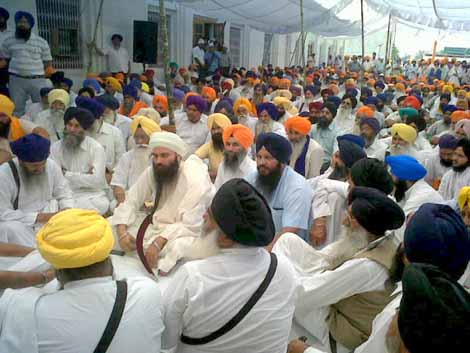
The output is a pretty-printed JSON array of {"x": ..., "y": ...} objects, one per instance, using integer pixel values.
[
  {"x": 207, "y": 29},
  {"x": 268, "y": 39},
  {"x": 59, "y": 24},
  {"x": 154, "y": 16},
  {"x": 235, "y": 48}
]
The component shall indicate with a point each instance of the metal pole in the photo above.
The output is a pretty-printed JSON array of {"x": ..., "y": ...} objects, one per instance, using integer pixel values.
[
  {"x": 166, "y": 62},
  {"x": 93, "y": 41},
  {"x": 302, "y": 43},
  {"x": 362, "y": 28},
  {"x": 388, "y": 38}
]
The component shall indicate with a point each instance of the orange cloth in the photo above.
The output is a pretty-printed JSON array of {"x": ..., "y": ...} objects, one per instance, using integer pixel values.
[
  {"x": 163, "y": 100},
  {"x": 298, "y": 124},
  {"x": 413, "y": 102},
  {"x": 16, "y": 130},
  {"x": 242, "y": 133},
  {"x": 243, "y": 101},
  {"x": 400, "y": 87},
  {"x": 274, "y": 81},
  {"x": 459, "y": 115},
  {"x": 209, "y": 93},
  {"x": 135, "y": 109},
  {"x": 365, "y": 111},
  {"x": 284, "y": 83}
]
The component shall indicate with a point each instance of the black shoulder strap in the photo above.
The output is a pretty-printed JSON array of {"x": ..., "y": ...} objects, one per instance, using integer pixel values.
[
  {"x": 14, "y": 171},
  {"x": 241, "y": 314},
  {"x": 114, "y": 319}
]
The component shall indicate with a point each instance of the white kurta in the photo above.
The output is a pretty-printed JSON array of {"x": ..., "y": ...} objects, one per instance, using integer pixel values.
[
  {"x": 377, "y": 150},
  {"x": 123, "y": 123},
  {"x": 225, "y": 174},
  {"x": 85, "y": 172},
  {"x": 313, "y": 159},
  {"x": 54, "y": 125},
  {"x": 110, "y": 138},
  {"x": 131, "y": 165},
  {"x": 194, "y": 134},
  {"x": 205, "y": 294},
  {"x": 435, "y": 170},
  {"x": 452, "y": 182},
  {"x": 19, "y": 226}
]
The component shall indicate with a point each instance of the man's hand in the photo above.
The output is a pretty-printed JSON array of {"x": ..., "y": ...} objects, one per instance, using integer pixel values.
[
  {"x": 108, "y": 175},
  {"x": 297, "y": 346},
  {"x": 127, "y": 242},
  {"x": 318, "y": 232},
  {"x": 169, "y": 128},
  {"x": 119, "y": 194},
  {"x": 152, "y": 255},
  {"x": 44, "y": 217}
]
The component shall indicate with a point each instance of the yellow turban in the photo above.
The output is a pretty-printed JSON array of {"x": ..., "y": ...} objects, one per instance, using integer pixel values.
[
  {"x": 462, "y": 93},
  {"x": 114, "y": 83},
  {"x": 406, "y": 132},
  {"x": 464, "y": 197},
  {"x": 220, "y": 119},
  {"x": 148, "y": 125},
  {"x": 6, "y": 105},
  {"x": 75, "y": 238},
  {"x": 284, "y": 93},
  {"x": 447, "y": 89},
  {"x": 282, "y": 101},
  {"x": 60, "y": 95},
  {"x": 145, "y": 87}
]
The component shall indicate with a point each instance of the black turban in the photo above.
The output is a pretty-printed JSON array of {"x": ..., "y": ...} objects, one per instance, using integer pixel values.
[
  {"x": 372, "y": 173},
  {"x": 279, "y": 147},
  {"x": 375, "y": 211},
  {"x": 4, "y": 13},
  {"x": 84, "y": 117},
  {"x": 437, "y": 235},
  {"x": 349, "y": 152},
  {"x": 243, "y": 214},
  {"x": 331, "y": 108},
  {"x": 434, "y": 311}
]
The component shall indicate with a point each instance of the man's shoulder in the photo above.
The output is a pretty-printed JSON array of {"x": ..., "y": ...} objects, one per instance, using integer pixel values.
[
  {"x": 39, "y": 39},
  {"x": 90, "y": 143},
  {"x": 145, "y": 288}
]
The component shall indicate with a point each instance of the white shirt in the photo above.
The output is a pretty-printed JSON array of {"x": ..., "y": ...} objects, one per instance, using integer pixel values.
[
  {"x": 194, "y": 134},
  {"x": 131, "y": 165},
  {"x": 53, "y": 125},
  {"x": 434, "y": 167},
  {"x": 377, "y": 150},
  {"x": 110, "y": 138},
  {"x": 198, "y": 53},
  {"x": 33, "y": 111},
  {"x": 205, "y": 294},
  {"x": 123, "y": 123},
  {"x": 418, "y": 194},
  {"x": 225, "y": 174},
  {"x": 452, "y": 182},
  {"x": 118, "y": 59}
]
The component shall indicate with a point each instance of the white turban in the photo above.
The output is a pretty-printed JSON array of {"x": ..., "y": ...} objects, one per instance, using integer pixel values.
[
  {"x": 60, "y": 95},
  {"x": 168, "y": 140}
]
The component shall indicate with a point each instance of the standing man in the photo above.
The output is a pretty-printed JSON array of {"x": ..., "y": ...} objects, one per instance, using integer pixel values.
[
  {"x": 4, "y": 34},
  {"x": 117, "y": 56},
  {"x": 29, "y": 57},
  {"x": 198, "y": 54}
]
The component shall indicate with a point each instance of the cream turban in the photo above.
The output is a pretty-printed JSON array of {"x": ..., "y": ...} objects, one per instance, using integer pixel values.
[
  {"x": 406, "y": 132},
  {"x": 75, "y": 238},
  {"x": 220, "y": 119},
  {"x": 283, "y": 93},
  {"x": 148, "y": 125},
  {"x": 168, "y": 140},
  {"x": 286, "y": 104},
  {"x": 60, "y": 95},
  {"x": 150, "y": 113}
]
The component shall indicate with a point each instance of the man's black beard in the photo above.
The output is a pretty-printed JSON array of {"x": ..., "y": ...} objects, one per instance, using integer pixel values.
[
  {"x": 22, "y": 33},
  {"x": 269, "y": 182},
  {"x": 3, "y": 25},
  {"x": 398, "y": 265},
  {"x": 232, "y": 160},
  {"x": 164, "y": 174},
  {"x": 400, "y": 188},
  {"x": 446, "y": 163},
  {"x": 218, "y": 142},
  {"x": 339, "y": 173},
  {"x": 460, "y": 168},
  {"x": 5, "y": 129},
  {"x": 380, "y": 108},
  {"x": 323, "y": 122}
]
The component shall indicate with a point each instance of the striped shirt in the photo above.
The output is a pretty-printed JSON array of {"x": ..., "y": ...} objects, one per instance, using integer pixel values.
[{"x": 26, "y": 57}]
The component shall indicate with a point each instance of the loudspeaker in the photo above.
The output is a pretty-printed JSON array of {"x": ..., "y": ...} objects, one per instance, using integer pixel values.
[{"x": 145, "y": 42}]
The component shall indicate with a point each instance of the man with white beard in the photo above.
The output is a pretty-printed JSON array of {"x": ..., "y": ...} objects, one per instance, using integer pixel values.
[
  {"x": 310, "y": 93},
  {"x": 403, "y": 138},
  {"x": 111, "y": 116},
  {"x": 344, "y": 119},
  {"x": 83, "y": 161},
  {"x": 267, "y": 120},
  {"x": 370, "y": 128},
  {"x": 238, "y": 140},
  {"x": 52, "y": 119},
  {"x": 134, "y": 162},
  {"x": 33, "y": 190}
]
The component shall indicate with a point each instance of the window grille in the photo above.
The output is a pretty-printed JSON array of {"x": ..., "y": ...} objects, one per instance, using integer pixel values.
[
  {"x": 235, "y": 48},
  {"x": 268, "y": 39}
]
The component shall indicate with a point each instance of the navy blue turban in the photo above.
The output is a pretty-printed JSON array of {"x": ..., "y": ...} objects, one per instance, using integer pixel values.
[
  {"x": 382, "y": 97},
  {"x": 118, "y": 36},
  {"x": 449, "y": 108},
  {"x": 372, "y": 122},
  {"x": 108, "y": 101},
  {"x": 349, "y": 152},
  {"x": 437, "y": 235},
  {"x": 31, "y": 148},
  {"x": 130, "y": 91},
  {"x": 84, "y": 117},
  {"x": 92, "y": 105},
  {"x": 312, "y": 89},
  {"x": 406, "y": 167},
  {"x": 278, "y": 146},
  {"x": 20, "y": 14},
  {"x": 136, "y": 83},
  {"x": 335, "y": 100},
  {"x": 448, "y": 141},
  {"x": 371, "y": 100},
  {"x": 351, "y": 92},
  {"x": 44, "y": 91},
  {"x": 380, "y": 84},
  {"x": 224, "y": 103},
  {"x": 93, "y": 83},
  {"x": 4, "y": 13},
  {"x": 365, "y": 91},
  {"x": 358, "y": 140},
  {"x": 372, "y": 173},
  {"x": 67, "y": 82},
  {"x": 199, "y": 102},
  {"x": 270, "y": 108},
  {"x": 243, "y": 214}
]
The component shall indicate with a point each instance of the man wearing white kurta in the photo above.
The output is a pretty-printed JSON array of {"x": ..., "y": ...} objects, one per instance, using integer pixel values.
[
  {"x": 83, "y": 161},
  {"x": 459, "y": 176},
  {"x": 52, "y": 119},
  {"x": 184, "y": 193},
  {"x": 43, "y": 191},
  {"x": 374, "y": 148},
  {"x": 112, "y": 117},
  {"x": 239, "y": 221}
]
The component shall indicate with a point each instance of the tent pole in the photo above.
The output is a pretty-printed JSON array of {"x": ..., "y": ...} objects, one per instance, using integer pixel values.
[
  {"x": 166, "y": 62},
  {"x": 362, "y": 28},
  {"x": 302, "y": 42},
  {"x": 388, "y": 38}
]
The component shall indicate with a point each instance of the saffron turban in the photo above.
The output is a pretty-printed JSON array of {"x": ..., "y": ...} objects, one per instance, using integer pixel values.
[
  {"x": 20, "y": 14},
  {"x": 413, "y": 102},
  {"x": 148, "y": 125},
  {"x": 372, "y": 122},
  {"x": 84, "y": 117},
  {"x": 75, "y": 238},
  {"x": 400, "y": 87},
  {"x": 241, "y": 133},
  {"x": 197, "y": 101},
  {"x": 93, "y": 83},
  {"x": 278, "y": 146},
  {"x": 405, "y": 167},
  {"x": 406, "y": 132},
  {"x": 270, "y": 108},
  {"x": 221, "y": 120},
  {"x": 284, "y": 83},
  {"x": 448, "y": 141},
  {"x": 371, "y": 172},
  {"x": 31, "y": 148},
  {"x": 114, "y": 83},
  {"x": 178, "y": 95},
  {"x": 243, "y": 214},
  {"x": 242, "y": 101},
  {"x": 365, "y": 111},
  {"x": 407, "y": 112},
  {"x": 437, "y": 235},
  {"x": 298, "y": 124},
  {"x": 60, "y": 95},
  {"x": 464, "y": 197},
  {"x": 168, "y": 140},
  {"x": 209, "y": 93},
  {"x": 447, "y": 89},
  {"x": 375, "y": 211},
  {"x": 6, "y": 105},
  {"x": 95, "y": 107},
  {"x": 458, "y": 115},
  {"x": 130, "y": 91},
  {"x": 350, "y": 152},
  {"x": 350, "y": 83},
  {"x": 108, "y": 101},
  {"x": 162, "y": 100}
]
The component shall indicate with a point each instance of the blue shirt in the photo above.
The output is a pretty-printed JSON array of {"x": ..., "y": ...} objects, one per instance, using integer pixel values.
[
  {"x": 212, "y": 59},
  {"x": 326, "y": 138},
  {"x": 290, "y": 202}
]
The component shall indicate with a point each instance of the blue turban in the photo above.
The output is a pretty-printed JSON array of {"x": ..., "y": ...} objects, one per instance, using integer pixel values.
[
  {"x": 382, "y": 97},
  {"x": 92, "y": 105},
  {"x": 108, "y": 101},
  {"x": 436, "y": 235},
  {"x": 93, "y": 83},
  {"x": 44, "y": 91},
  {"x": 224, "y": 103},
  {"x": 448, "y": 141},
  {"x": 449, "y": 108},
  {"x": 185, "y": 89},
  {"x": 68, "y": 82},
  {"x": 335, "y": 100},
  {"x": 380, "y": 84},
  {"x": 278, "y": 146},
  {"x": 270, "y": 108},
  {"x": 130, "y": 91},
  {"x": 405, "y": 167},
  {"x": 371, "y": 100},
  {"x": 27, "y": 15},
  {"x": 178, "y": 94},
  {"x": 365, "y": 91},
  {"x": 351, "y": 92},
  {"x": 304, "y": 114},
  {"x": 358, "y": 140},
  {"x": 4, "y": 13},
  {"x": 372, "y": 122},
  {"x": 31, "y": 148},
  {"x": 84, "y": 117},
  {"x": 136, "y": 83},
  {"x": 199, "y": 102},
  {"x": 350, "y": 152},
  {"x": 312, "y": 89}
]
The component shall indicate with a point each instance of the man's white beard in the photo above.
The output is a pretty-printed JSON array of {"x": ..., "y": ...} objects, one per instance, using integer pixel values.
[
  {"x": 205, "y": 245},
  {"x": 297, "y": 148},
  {"x": 398, "y": 150},
  {"x": 262, "y": 127},
  {"x": 109, "y": 118},
  {"x": 343, "y": 114}
]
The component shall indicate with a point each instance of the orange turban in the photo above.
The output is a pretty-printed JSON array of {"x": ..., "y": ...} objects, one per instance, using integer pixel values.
[
  {"x": 284, "y": 83},
  {"x": 458, "y": 115},
  {"x": 413, "y": 102},
  {"x": 400, "y": 87},
  {"x": 365, "y": 111},
  {"x": 241, "y": 133},
  {"x": 209, "y": 93},
  {"x": 163, "y": 100},
  {"x": 242, "y": 101},
  {"x": 298, "y": 124},
  {"x": 274, "y": 81}
]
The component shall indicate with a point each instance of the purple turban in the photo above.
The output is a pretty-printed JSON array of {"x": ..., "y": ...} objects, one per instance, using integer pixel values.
[
  {"x": 93, "y": 83},
  {"x": 224, "y": 103},
  {"x": 312, "y": 89},
  {"x": 31, "y": 148},
  {"x": 92, "y": 105},
  {"x": 372, "y": 122},
  {"x": 84, "y": 117},
  {"x": 448, "y": 141},
  {"x": 198, "y": 102},
  {"x": 270, "y": 108},
  {"x": 365, "y": 91},
  {"x": 130, "y": 91},
  {"x": 178, "y": 94}
]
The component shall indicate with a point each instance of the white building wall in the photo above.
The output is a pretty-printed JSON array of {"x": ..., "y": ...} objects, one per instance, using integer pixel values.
[{"x": 256, "y": 47}]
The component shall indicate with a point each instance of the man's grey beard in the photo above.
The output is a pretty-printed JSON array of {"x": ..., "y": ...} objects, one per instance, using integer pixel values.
[
  {"x": 233, "y": 160},
  {"x": 31, "y": 183},
  {"x": 262, "y": 127},
  {"x": 57, "y": 114},
  {"x": 205, "y": 245},
  {"x": 297, "y": 148},
  {"x": 71, "y": 141}
]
